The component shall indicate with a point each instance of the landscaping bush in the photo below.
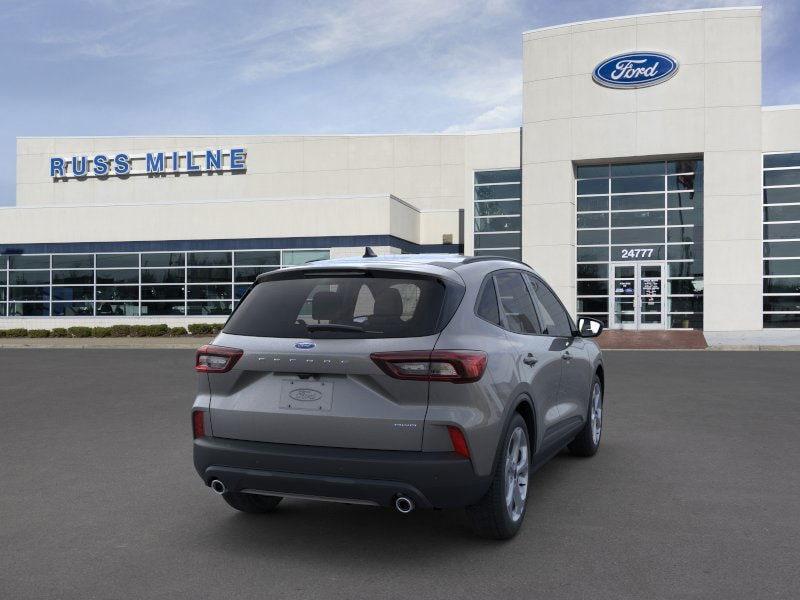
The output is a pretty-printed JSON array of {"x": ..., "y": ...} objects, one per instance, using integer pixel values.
[
  {"x": 217, "y": 327},
  {"x": 39, "y": 333},
  {"x": 17, "y": 332},
  {"x": 157, "y": 330},
  {"x": 101, "y": 332},
  {"x": 200, "y": 328},
  {"x": 138, "y": 330},
  {"x": 120, "y": 330},
  {"x": 2, "y": 333},
  {"x": 80, "y": 332},
  {"x": 177, "y": 331},
  {"x": 59, "y": 332}
]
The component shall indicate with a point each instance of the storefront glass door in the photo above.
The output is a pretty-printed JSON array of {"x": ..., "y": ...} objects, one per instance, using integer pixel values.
[{"x": 637, "y": 300}]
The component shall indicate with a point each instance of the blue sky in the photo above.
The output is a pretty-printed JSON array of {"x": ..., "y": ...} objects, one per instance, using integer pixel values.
[{"x": 104, "y": 67}]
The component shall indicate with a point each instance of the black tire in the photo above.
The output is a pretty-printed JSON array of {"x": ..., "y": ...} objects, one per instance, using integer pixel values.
[
  {"x": 252, "y": 503},
  {"x": 490, "y": 517},
  {"x": 586, "y": 443}
]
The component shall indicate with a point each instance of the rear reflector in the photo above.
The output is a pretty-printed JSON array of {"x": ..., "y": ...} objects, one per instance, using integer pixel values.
[
  {"x": 458, "y": 440},
  {"x": 216, "y": 359},
  {"x": 198, "y": 423},
  {"x": 455, "y": 366}
]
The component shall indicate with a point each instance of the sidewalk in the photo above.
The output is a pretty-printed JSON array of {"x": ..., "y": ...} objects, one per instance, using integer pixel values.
[{"x": 192, "y": 342}]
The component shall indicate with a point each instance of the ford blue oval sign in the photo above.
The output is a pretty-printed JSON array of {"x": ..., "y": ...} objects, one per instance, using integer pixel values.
[
  {"x": 635, "y": 70},
  {"x": 305, "y": 345}
]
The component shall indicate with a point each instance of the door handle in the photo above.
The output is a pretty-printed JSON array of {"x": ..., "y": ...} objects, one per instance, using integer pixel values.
[
  {"x": 530, "y": 360},
  {"x": 566, "y": 355}
]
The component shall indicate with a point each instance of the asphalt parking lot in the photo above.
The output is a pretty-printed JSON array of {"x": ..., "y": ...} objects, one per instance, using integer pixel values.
[{"x": 695, "y": 494}]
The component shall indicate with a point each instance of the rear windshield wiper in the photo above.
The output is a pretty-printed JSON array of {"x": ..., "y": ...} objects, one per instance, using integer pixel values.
[{"x": 311, "y": 327}]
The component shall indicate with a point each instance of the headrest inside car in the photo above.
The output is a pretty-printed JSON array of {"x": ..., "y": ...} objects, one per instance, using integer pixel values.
[
  {"x": 388, "y": 303},
  {"x": 325, "y": 306}
]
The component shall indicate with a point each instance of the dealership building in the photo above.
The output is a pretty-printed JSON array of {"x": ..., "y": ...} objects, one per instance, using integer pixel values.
[{"x": 646, "y": 183}]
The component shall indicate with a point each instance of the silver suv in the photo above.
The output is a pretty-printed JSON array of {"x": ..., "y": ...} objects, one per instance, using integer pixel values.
[{"x": 430, "y": 381}]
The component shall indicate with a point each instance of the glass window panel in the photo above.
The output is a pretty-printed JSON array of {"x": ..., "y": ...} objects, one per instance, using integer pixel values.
[
  {"x": 2, "y": 277},
  {"x": 29, "y": 277},
  {"x": 486, "y": 307},
  {"x": 494, "y": 192},
  {"x": 679, "y": 252},
  {"x": 257, "y": 257},
  {"x": 637, "y": 184},
  {"x": 685, "y": 286},
  {"x": 782, "y": 195},
  {"x": 788, "y": 177},
  {"x": 782, "y": 213},
  {"x": 73, "y": 277},
  {"x": 116, "y": 261},
  {"x": 239, "y": 290},
  {"x": 73, "y": 309},
  {"x": 637, "y": 202},
  {"x": 694, "y": 304},
  {"x": 782, "y": 285},
  {"x": 301, "y": 257},
  {"x": 209, "y": 275},
  {"x": 498, "y": 176},
  {"x": 684, "y": 166},
  {"x": 513, "y": 253},
  {"x": 593, "y": 186},
  {"x": 624, "y": 272},
  {"x": 498, "y": 240},
  {"x": 637, "y": 236},
  {"x": 249, "y": 274},
  {"x": 162, "y": 292},
  {"x": 597, "y": 203},
  {"x": 163, "y": 259},
  {"x": 782, "y": 249},
  {"x": 593, "y": 304},
  {"x": 117, "y": 309},
  {"x": 592, "y": 236},
  {"x": 648, "y": 168},
  {"x": 118, "y": 276},
  {"x": 680, "y": 182},
  {"x": 681, "y": 269},
  {"x": 684, "y": 199},
  {"x": 504, "y": 207},
  {"x": 586, "y": 171},
  {"x": 554, "y": 319},
  {"x": 209, "y": 259},
  {"x": 70, "y": 292},
  {"x": 775, "y": 321},
  {"x": 516, "y": 305},
  {"x": 163, "y": 276},
  {"x": 209, "y": 292},
  {"x": 3, "y": 308},
  {"x": 28, "y": 309},
  {"x": 782, "y": 267},
  {"x": 593, "y": 288},
  {"x": 209, "y": 308},
  {"x": 117, "y": 292},
  {"x": 3, "y": 262},
  {"x": 637, "y": 219},
  {"x": 694, "y": 321},
  {"x": 681, "y": 217},
  {"x": 680, "y": 234},
  {"x": 29, "y": 293},
  {"x": 782, "y": 303},
  {"x": 782, "y": 231},
  {"x": 498, "y": 224},
  {"x": 162, "y": 308},
  {"x": 28, "y": 261},
  {"x": 2, "y": 294},
  {"x": 593, "y": 220},
  {"x": 790, "y": 159},
  {"x": 589, "y": 254},
  {"x": 73, "y": 261}
]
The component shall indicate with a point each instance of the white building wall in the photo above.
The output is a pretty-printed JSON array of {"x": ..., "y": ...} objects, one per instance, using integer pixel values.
[{"x": 712, "y": 107}]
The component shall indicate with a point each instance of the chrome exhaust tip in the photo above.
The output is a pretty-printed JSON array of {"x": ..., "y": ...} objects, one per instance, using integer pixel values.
[
  {"x": 218, "y": 487},
  {"x": 403, "y": 504}
]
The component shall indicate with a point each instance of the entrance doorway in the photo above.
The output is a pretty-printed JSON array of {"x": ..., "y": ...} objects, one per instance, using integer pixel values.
[{"x": 637, "y": 295}]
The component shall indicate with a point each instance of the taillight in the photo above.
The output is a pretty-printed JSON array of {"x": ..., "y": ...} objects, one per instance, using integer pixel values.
[
  {"x": 216, "y": 359},
  {"x": 198, "y": 423},
  {"x": 458, "y": 440},
  {"x": 456, "y": 366}
]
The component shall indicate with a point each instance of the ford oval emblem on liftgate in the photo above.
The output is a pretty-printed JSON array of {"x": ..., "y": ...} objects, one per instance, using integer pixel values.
[
  {"x": 635, "y": 70},
  {"x": 305, "y": 345}
]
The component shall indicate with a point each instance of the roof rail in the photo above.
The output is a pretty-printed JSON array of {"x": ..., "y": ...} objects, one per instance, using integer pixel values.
[{"x": 472, "y": 259}]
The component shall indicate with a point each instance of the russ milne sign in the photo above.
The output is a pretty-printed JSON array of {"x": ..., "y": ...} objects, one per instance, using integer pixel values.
[
  {"x": 635, "y": 70},
  {"x": 150, "y": 163}
]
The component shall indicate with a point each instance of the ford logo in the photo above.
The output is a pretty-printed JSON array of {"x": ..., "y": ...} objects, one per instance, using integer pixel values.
[
  {"x": 635, "y": 70},
  {"x": 305, "y": 345},
  {"x": 305, "y": 395}
]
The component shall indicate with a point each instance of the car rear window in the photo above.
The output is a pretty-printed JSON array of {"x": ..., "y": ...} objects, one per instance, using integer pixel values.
[{"x": 363, "y": 305}]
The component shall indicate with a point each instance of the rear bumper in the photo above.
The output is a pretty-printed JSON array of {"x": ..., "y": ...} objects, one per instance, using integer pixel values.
[{"x": 431, "y": 479}]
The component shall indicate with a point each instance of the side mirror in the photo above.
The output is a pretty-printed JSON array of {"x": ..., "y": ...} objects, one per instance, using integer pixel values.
[{"x": 589, "y": 328}]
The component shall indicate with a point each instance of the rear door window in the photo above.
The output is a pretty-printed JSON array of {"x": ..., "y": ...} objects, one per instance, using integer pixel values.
[
  {"x": 341, "y": 306},
  {"x": 516, "y": 307},
  {"x": 555, "y": 320}
]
